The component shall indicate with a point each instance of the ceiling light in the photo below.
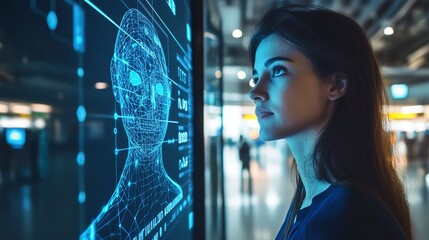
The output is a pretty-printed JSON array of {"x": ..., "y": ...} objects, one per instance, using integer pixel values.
[
  {"x": 42, "y": 108},
  {"x": 252, "y": 83},
  {"x": 101, "y": 85},
  {"x": 20, "y": 109},
  {"x": 218, "y": 74},
  {"x": 4, "y": 108},
  {"x": 15, "y": 123},
  {"x": 39, "y": 123},
  {"x": 412, "y": 109},
  {"x": 241, "y": 75},
  {"x": 237, "y": 33},
  {"x": 388, "y": 31}
]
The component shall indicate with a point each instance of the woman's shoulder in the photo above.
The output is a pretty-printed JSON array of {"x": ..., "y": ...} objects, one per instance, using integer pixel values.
[
  {"x": 353, "y": 211},
  {"x": 349, "y": 193},
  {"x": 350, "y": 199}
]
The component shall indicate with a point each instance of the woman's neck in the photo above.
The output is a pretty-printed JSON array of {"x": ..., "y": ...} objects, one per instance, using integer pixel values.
[{"x": 302, "y": 146}]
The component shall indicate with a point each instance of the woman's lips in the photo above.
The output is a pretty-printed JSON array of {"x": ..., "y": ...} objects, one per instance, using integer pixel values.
[{"x": 262, "y": 113}]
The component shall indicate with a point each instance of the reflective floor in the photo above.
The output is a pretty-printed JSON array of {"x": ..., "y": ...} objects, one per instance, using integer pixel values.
[
  {"x": 260, "y": 215},
  {"x": 41, "y": 209},
  {"x": 48, "y": 209}
]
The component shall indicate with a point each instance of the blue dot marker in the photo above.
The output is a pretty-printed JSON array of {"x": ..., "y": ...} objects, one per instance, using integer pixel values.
[
  {"x": 82, "y": 197},
  {"x": 116, "y": 151},
  {"x": 52, "y": 20},
  {"x": 80, "y": 159},
  {"x": 80, "y": 72},
  {"x": 81, "y": 113}
]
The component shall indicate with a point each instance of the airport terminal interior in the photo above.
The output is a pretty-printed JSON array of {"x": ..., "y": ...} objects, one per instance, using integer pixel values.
[{"x": 70, "y": 143}]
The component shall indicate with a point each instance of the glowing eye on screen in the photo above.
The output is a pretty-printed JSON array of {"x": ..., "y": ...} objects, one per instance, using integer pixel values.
[
  {"x": 135, "y": 78},
  {"x": 159, "y": 89}
]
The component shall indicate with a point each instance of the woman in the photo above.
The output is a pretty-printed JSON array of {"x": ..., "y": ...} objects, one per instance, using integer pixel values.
[{"x": 318, "y": 85}]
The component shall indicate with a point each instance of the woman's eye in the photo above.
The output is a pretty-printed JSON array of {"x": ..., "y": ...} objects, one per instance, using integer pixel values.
[{"x": 278, "y": 71}]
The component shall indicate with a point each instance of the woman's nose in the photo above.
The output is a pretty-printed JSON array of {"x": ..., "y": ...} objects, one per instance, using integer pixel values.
[{"x": 257, "y": 93}]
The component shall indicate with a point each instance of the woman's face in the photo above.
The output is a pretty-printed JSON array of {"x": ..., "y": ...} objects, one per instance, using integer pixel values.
[{"x": 290, "y": 98}]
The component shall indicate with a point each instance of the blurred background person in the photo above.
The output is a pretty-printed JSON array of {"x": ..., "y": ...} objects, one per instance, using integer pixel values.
[{"x": 244, "y": 155}]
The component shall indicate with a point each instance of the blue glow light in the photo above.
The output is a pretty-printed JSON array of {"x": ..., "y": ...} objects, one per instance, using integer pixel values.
[
  {"x": 135, "y": 78},
  {"x": 191, "y": 220},
  {"x": 80, "y": 72},
  {"x": 52, "y": 20},
  {"x": 188, "y": 32},
  {"x": 82, "y": 197},
  {"x": 172, "y": 6},
  {"x": 79, "y": 40},
  {"x": 15, "y": 137},
  {"x": 80, "y": 159},
  {"x": 78, "y": 28},
  {"x": 81, "y": 113},
  {"x": 159, "y": 89},
  {"x": 399, "y": 91}
]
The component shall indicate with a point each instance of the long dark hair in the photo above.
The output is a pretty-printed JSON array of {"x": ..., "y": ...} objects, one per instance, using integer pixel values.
[{"x": 353, "y": 146}]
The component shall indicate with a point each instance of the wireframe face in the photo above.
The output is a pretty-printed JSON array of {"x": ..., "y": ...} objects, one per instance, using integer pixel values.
[
  {"x": 140, "y": 80},
  {"x": 289, "y": 96}
]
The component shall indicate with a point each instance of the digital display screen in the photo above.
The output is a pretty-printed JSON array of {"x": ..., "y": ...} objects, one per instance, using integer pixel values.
[
  {"x": 15, "y": 137},
  {"x": 151, "y": 84}
]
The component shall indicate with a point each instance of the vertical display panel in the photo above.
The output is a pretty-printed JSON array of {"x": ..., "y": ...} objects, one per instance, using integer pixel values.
[{"x": 151, "y": 81}]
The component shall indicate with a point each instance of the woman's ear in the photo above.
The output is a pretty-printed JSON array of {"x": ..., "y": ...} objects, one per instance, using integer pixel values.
[{"x": 338, "y": 87}]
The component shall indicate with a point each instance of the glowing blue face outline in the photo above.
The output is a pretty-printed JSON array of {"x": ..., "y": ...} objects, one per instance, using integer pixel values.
[
  {"x": 142, "y": 88},
  {"x": 140, "y": 79}
]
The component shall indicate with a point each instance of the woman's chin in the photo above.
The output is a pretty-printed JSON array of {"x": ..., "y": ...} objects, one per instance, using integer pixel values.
[
  {"x": 266, "y": 136},
  {"x": 271, "y": 135}
]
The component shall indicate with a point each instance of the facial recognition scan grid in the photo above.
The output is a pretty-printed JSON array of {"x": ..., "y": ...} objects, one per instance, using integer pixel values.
[{"x": 151, "y": 75}]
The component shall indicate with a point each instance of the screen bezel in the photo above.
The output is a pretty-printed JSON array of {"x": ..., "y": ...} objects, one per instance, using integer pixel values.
[{"x": 197, "y": 23}]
